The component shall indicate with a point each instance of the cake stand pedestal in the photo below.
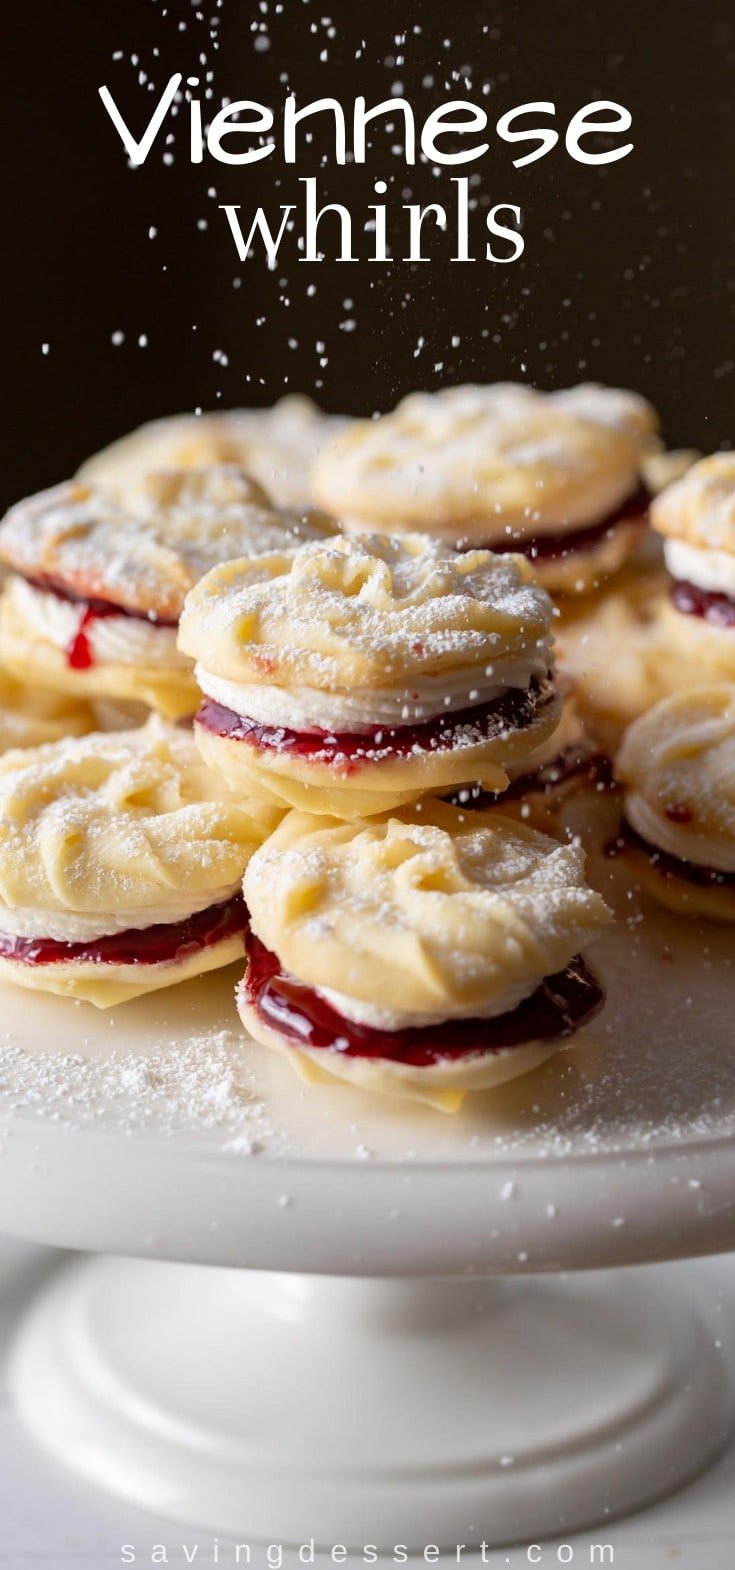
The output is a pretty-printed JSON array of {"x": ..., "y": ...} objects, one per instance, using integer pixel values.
[
  {"x": 359, "y": 1332},
  {"x": 296, "y": 1408}
]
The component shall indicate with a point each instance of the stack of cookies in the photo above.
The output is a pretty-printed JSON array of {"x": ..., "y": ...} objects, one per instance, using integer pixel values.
[
  {"x": 345, "y": 633},
  {"x": 395, "y": 940}
]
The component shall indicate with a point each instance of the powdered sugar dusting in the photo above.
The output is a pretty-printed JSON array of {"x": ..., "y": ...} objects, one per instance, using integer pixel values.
[
  {"x": 475, "y": 459},
  {"x": 203, "y": 1087},
  {"x": 276, "y": 445},
  {"x": 369, "y": 612},
  {"x": 144, "y": 547},
  {"x": 655, "y": 1071}
]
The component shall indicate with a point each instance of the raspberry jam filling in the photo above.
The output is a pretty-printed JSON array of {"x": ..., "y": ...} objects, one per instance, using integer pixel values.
[
  {"x": 516, "y": 709},
  {"x": 668, "y": 866},
  {"x": 79, "y": 652},
  {"x": 550, "y": 547},
  {"x": 718, "y": 609},
  {"x": 159, "y": 945},
  {"x": 558, "y": 1007}
]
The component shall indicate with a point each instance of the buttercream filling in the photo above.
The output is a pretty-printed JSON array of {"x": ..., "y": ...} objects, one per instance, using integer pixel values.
[
  {"x": 677, "y": 836},
  {"x": 550, "y": 546},
  {"x": 358, "y": 1012},
  {"x": 78, "y": 927},
  {"x": 514, "y": 710},
  {"x": 713, "y": 571},
  {"x": 92, "y": 632},
  {"x": 165, "y": 943},
  {"x": 307, "y": 709},
  {"x": 556, "y": 1008},
  {"x": 668, "y": 866}
]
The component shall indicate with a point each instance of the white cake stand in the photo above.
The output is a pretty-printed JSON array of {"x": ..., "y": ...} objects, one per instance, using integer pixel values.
[{"x": 356, "y": 1371}]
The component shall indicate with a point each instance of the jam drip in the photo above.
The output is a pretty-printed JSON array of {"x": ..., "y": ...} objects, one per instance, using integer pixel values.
[
  {"x": 667, "y": 865},
  {"x": 558, "y": 1008},
  {"x": 550, "y": 547},
  {"x": 164, "y": 944},
  {"x": 515, "y": 710},
  {"x": 79, "y": 652},
  {"x": 717, "y": 609}
]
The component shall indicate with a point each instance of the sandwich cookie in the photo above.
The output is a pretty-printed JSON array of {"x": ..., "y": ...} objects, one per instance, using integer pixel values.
[
  {"x": 425, "y": 955},
  {"x": 121, "y": 860},
  {"x": 555, "y": 476},
  {"x": 358, "y": 673},
  {"x": 677, "y": 768},
  {"x": 97, "y": 586},
  {"x": 696, "y": 519}
]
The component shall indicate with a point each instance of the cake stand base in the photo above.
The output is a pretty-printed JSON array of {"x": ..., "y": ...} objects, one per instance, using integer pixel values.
[{"x": 300, "y": 1408}]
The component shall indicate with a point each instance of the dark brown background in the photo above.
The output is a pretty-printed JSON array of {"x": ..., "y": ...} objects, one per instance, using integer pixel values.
[{"x": 627, "y": 275}]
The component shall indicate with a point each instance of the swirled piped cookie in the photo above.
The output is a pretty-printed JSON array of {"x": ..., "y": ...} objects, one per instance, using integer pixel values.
[
  {"x": 98, "y": 585},
  {"x": 696, "y": 518},
  {"x": 423, "y": 955},
  {"x": 355, "y": 674},
  {"x": 677, "y": 767},
  {"x": 278, "y": 446},
  {"x": 31, "y": 715},
  {"x": 555, "y": 476},
  {"x": 121, "y": 859}
]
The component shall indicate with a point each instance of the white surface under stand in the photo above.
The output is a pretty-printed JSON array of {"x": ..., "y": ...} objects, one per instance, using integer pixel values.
[{"x": 344, "y": 1406}]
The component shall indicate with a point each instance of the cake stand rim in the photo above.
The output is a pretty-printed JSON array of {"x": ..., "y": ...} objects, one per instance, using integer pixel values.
[{"x": 106, "y": 1191}]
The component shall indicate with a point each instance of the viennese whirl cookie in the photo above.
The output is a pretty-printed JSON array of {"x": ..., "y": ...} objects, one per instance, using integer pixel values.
[
  {"x": 354, "y": 674},
  {"x": 677, "y": 766},
  {"x": 424, "y": 955},
  {"x": 120, "y": 865},
  {"x": 277, "y": 446},
  {"x": 98, "y": 585},
  {"x": 696, "y": 519},
  {"x": 555, "y": 476}
]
